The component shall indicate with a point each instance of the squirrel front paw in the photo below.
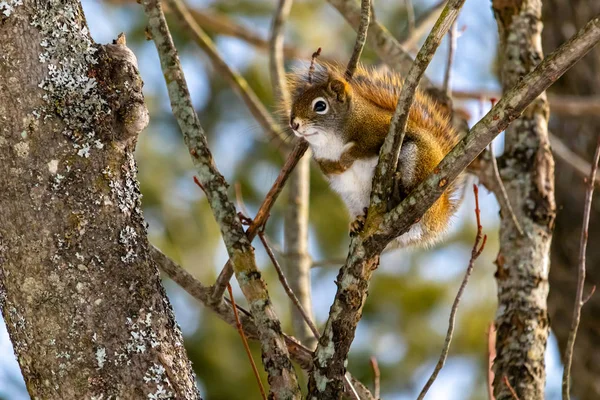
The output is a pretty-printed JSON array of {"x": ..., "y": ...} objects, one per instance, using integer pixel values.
[{"x": 359, "y": 223}]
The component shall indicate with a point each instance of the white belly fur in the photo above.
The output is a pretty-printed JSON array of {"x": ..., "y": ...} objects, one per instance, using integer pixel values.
[{"x": 354, "y": 187}]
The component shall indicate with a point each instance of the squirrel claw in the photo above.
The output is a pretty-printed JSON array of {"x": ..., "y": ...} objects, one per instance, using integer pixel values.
[{"x": 359, "y": 223}]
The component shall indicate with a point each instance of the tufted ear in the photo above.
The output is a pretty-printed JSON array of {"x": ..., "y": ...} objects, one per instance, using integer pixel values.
[{"x": 339, "y": 89}]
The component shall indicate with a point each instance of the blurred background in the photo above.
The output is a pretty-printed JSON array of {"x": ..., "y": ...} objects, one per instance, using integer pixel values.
[{"x": 406, "y": 315}]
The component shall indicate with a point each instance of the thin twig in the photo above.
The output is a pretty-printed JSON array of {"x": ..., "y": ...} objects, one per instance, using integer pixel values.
[
  {"x": 261, "y": 216},
  {"x": 390, "y": 151},
  {"x": 352, "y": 390},
  {"x": 410, "y": 16},
  {"x": 475, "y": 253},
  {"x": 452, "y": 40},
  {"x": 562, "y": 151},
  {"x": 491, "y": 355},
  {"x": 589, "y": 296},
  {"x": 589, "y": 195},
  {"x": 365, "y": 248},
  {"x": 376, "y": 377},
  {"x": 237, "y": 81},
  {"x": 361, "y": 38},
  {"x": 422, "y": 26},
  {"x": 276, "y": 66},
  {"x": 503, "y": 200},
  {"x": 300, "y": 353},
  {"x": 286, "y": 286},
  {"x": 245, "y": 341},
  {"x": 282, "y": 377},
  {"x": 510, "y": 388}
]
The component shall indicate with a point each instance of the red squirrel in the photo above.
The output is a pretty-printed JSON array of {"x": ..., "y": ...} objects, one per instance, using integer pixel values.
[{"x": 345, "y": 123}]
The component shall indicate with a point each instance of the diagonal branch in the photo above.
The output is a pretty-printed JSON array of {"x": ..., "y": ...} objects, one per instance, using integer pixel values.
[
  {"x": 325, "y": 381},
  {"x": 299, "y": 353},
  {"x": 390, "y": 151},
  {"x": 361, "y": 38},
  {"x": 261, "y": 216},
  {"x": 237, "y": 81},
  {"x": 281, "y": 375},
  {"x": 379, "y": 38}
]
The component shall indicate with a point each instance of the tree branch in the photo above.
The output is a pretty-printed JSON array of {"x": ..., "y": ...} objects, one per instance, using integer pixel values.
[
  {"x": 475, "y": 253},
  {"x": 325, "y": 381},
  {"x": 237, "y": 81},
  {"x": 390, "y": 151},
  {"x": 276, "y": 65},
  {"x": 281, "y": 375},
  {"x": 261, "y": 216},
  {"x": 300, "y": 354},
  {"x": 361, "y": 38},
  {"x": 379, "y": 38},
  {"x": 579, "y": 301}
]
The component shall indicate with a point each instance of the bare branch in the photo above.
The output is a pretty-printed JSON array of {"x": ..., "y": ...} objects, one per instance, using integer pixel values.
[
  {"x": 300, "y": 354},
  {"x": 562, "y": 151},
  {"x": 422, "y": 26},
  {"x": 503, "y": 199},
  {"x": 276, "y": 61},
  {"x": 589, "y": 195},
  {"x": 286, "y": 286},
  {"x": 361, "y": 38},
  {"x": 379, "y": 38},
  {"x": 245, "y": 341},
  {"x": 261, "y": 216},
  {"x": 475, "y": 253},
  {"x": 365, "y": 248},
  {"x": 237, "y": 81},
  {"x": 390, "y": 151},
  {"x": 510, "y": 106},
  {"x": 282, "y": 377},
  {"x": 452, "y": 39},
  {"x": 376, "y": 377},
  {"x": 410, "y": 16}
]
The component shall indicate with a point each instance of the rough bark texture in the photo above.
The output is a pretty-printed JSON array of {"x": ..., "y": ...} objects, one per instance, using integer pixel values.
[
  {"x": 297, "y": 261},
  {"x": 80, "y": 294},
  {"x": 527, "y": 169},
  {"x": 579, "y": 133},
  {"x": 276, "y": 361}
]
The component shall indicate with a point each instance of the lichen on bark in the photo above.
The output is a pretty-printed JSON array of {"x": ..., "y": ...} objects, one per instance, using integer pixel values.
[
  {"x": 527, "y": 169},
  {"x": 82, "y": 299}
]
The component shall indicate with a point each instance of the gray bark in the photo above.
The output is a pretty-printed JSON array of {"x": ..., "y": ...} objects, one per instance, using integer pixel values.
[
  {"x": 297, "y": 260},
  {"x": 527, "y": 169},
  {"x": 80, "y": 295}
]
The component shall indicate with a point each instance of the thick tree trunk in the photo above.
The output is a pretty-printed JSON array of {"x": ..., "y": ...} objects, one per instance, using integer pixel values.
[
  {"x": 561, "y": 17},
  {"x": 527, "y": 169},
  {"x": 81, "y": 296}
]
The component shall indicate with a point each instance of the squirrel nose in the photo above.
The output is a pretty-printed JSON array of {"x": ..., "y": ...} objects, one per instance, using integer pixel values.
[{"x": 294, "y": 125}]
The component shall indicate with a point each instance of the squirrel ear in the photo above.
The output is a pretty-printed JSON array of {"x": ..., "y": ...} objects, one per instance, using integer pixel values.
[{"x": 340, "y": 89}]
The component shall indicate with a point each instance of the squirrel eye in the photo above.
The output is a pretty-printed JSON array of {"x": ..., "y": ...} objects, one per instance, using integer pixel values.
[{"x": 320, "y": 106}]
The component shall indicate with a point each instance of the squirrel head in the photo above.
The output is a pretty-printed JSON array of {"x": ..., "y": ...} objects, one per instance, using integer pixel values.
[{"x": 320, "y": 105}]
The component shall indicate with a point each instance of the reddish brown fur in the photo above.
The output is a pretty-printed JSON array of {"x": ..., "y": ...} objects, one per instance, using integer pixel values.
[{"x": 374, "y": 96}]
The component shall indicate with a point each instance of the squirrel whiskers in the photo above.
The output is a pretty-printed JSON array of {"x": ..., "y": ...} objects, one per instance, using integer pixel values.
[{"x": 345, "y": 123}]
